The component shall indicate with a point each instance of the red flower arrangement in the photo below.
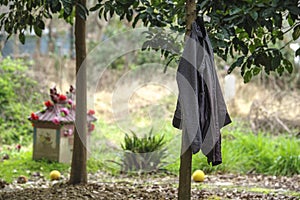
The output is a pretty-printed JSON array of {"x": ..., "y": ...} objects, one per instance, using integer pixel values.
[
  {"x": 59, "y": 107},
  {"x": 18, "y": 147},
  {"x": 55, "y": 120},
  {"x": 62, "y": 97},
  {"x": 34, "y": 116},
  {"x": 91, "y": 112},
  {"x": 91, "y": 127},
  {"x": 48, "y": 104},
  {"x": 64, "y": 112}
]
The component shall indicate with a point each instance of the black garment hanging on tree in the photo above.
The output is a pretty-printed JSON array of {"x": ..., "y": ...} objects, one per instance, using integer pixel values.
[{"x": 201, "y": 110}]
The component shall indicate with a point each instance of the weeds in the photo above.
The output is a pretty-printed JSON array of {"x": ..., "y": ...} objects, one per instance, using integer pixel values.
[{"x": 245, "y": 152}]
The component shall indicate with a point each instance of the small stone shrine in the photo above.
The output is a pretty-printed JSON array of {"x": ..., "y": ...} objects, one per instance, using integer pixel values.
[{"x": 53, "y": 127}]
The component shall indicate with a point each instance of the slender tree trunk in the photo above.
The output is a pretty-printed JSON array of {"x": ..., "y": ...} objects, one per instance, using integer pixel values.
[
  {"x": 71, "y": 42},
  {"x": 191, "y": 14},
  {"x": 50, "y": 42},
  {"x": 37, "y": 52},
  {"x": 78, "y": 168},
  {"x": 184, "y": 191},
  {"x": 16, "y": 52}
]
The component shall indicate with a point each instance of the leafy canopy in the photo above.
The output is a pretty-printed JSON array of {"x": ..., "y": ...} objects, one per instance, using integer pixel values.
[
  {"x": 21, "y": 16},
  {"x": 247, "y": 28}
]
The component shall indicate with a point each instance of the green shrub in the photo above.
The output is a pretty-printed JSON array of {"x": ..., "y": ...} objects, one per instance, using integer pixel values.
[
  {"x": 19, "y": 96},
  {"x": 143, "y": 154}
]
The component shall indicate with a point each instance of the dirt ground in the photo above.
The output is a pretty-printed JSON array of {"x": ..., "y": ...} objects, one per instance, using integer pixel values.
[{"x": 157, "y": 186}]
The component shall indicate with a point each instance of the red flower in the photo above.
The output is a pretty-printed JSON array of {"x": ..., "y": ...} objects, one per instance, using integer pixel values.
[
  {"x": 91, "y": 112},
  {"x": 34, "y": 116},
  {"x": 55, "y": 120},
  {"x": 62, "y": 97},
  {"x": 18, "y": 147},
  {"x": 91, "y": 127},
  {"x": 70, "y": 102},
  {"x": 64, "y": 111},
  {"x": 48, "y": 103}
]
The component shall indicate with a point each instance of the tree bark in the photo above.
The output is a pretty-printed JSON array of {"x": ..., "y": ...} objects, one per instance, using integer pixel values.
[
  {"x": 79, "y": 158},
  {"x": 50, "y": 42},
  {"x": 191, "y": 14},
  {"x": 185, "y": 171}
]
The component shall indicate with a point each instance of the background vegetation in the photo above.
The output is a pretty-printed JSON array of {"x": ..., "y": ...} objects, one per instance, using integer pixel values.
[{"x": 19, "y": 96}]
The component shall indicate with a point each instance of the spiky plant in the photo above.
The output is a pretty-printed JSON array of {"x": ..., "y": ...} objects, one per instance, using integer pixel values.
[{"x": 143, "y": 153}]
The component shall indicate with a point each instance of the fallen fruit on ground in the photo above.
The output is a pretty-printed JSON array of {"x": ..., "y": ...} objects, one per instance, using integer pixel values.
[
  {"x": 22, "y": 179},
  {"x": 54, "y": 175},
  {"x": 198, "y": 176}
]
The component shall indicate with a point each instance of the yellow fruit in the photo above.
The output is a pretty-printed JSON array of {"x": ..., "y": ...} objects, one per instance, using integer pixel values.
[
  {"x": 198, "y": 176},
  {"x": 54, "y": 175}
]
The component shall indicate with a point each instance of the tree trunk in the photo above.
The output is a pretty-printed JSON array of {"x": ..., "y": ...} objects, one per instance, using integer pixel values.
[
  {"x": 50, "y": 42},
  {"x": 37, "y": 52},
  {"x": 78, "y": 168},
  {"x": 191, "y": 14},
  {"x": 71, "y": 50},
  {"x": 185, "y": 171},
  {"x": 16, "y": 47}
]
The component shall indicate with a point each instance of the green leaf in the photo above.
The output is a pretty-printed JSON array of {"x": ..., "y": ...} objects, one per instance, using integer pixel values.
[
  {"x": 235, "y": 10},
  {"x": 297, "y": 52},
  {"x": 278, "y": 20},
  {"x": 96, "y": 7},
  {"x": 244, "y": 48},
  {"x": 82, "y": 11},
  {"x": 37, "y": 30},
  {"x": 256, "y": 70},
  {"x": 239, "y": 62},
  {"x": 290, "y": 20},
  {"x": 275, "y": 62},
  {"x": 288, "y": 65},
  {"x": 261, "y": 59},
  {"x": 129, "y": 15},
  {"x": 136, "y": 19},
  {"x": 254, "y": 15},
  {"x": 55, "y": 6},
  {"x": 2, "y": 15},
  {"x": 296, "y": 33},
  {"x": 40, "y": 24},
  {"x": 268, "y": 12},
  {"x": 247, "y": 76},
  {"x": 280, "y": 70},
  {"x": 294, "y": 10},
  {"x": 68, "y": 7},
  {"x": 22, "y": 38}
]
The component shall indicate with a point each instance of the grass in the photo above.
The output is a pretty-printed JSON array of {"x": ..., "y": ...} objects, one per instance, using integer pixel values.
[
  {"x": 246, "y": 188},
  {"x": 21, "y": 163},
  {"x": 242, "y": 152},
  {"x": 263, "y": 153}
]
